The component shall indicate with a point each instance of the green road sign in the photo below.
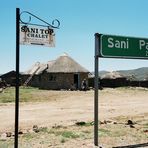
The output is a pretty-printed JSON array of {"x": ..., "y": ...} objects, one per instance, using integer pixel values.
[{"x": 123, "y": 47}]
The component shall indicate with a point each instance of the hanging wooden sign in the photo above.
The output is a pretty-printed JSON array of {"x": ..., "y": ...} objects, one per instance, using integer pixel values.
[{"x": 35, "y": 35}]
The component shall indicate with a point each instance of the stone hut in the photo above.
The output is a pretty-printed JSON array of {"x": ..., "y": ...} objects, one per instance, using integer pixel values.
[
  {"x": 63, "y": 73},
  {"x": 10, "y": 78},
  {"x": 132, "y": 81},
  {"x": 113, "y": 79}
]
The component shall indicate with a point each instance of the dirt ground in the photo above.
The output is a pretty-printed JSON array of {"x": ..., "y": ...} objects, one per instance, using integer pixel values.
[{"x": 65, "y": 108}]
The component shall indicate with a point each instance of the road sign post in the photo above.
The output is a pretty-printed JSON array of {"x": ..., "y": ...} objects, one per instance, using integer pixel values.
[
  {"x": 112, "y": 46},
  {"x": 17, "y": 78},
  {"x": 96, "y": 90},
  {"x": 42, "y": 37}
]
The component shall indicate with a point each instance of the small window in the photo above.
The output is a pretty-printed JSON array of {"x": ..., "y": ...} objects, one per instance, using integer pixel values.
[{"x": 52, "y": 78}]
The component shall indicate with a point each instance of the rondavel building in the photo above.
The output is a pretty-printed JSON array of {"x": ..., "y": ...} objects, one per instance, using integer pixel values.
[{"x": 62, "y": 73}]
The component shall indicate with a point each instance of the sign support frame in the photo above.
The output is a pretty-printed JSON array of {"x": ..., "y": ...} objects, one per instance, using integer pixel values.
[
  {"x": 17, "y": 77},
  {"x": 98, "y": 48},
  {"x": 96, "y": 84},
  {"x": 55, "y": 25}
]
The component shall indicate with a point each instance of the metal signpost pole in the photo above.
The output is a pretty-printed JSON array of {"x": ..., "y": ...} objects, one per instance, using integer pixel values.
[
  {"x": 50, "y": 34},
  {"x": 113, "y": 46},
  {"x": 17, "y": 79},
  {"x": 96, "y": 90}
]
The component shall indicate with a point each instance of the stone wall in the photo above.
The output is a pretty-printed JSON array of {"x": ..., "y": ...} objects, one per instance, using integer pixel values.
[{"x": 58, "y": 81}]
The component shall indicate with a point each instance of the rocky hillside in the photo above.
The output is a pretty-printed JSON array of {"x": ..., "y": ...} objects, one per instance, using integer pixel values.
[{"x": 139, "y": 74}]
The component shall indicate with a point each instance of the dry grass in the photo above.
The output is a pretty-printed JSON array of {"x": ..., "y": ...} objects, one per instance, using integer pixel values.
[
  {"x": 119, "y": 105},
  {"x": 110, "y": 135}
]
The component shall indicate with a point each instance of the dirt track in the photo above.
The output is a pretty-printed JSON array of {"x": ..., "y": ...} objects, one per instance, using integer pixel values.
[{"x": 72, "y": 106}]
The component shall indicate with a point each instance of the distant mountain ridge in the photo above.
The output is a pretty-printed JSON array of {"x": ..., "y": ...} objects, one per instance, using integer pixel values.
[{"x": 139, "y": 74}]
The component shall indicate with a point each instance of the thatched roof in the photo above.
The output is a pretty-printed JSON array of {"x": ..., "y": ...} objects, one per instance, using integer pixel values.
[
  {"x": 112, "y": 75},
  {"x": 36, "y": 69},
  {"x": 65, "y": 64},
  {"x": 49, "y": 63}
]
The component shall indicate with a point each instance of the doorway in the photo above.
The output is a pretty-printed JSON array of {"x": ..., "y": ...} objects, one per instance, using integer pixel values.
[{"x": 76, "y": 81}]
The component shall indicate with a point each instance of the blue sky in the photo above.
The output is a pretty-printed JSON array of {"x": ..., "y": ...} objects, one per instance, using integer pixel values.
[{"x": 80, "y": 20}]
